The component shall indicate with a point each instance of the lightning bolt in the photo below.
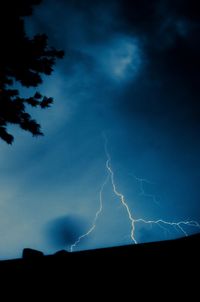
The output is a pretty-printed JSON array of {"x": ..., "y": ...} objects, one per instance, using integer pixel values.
[
  {"x": 160, "y": 222},
  {"x": 119, "y": 194},
  {"x": 163, "y": 224},
  {"x": 100, "y": 209},
  {"x": 142, "y": 181},
  {"x": 179, "y": 225}
]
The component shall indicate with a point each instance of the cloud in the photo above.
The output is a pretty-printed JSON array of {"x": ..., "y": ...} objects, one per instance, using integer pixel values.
[
  {"x": 120, "y": 58},
  {"x": 167, "y": 87}
]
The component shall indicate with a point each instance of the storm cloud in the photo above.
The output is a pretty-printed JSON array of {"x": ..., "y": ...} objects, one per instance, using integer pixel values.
[{"x": 131, "y": 70}]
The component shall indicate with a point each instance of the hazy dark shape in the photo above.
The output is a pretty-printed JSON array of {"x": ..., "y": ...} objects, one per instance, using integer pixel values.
[
  {"x": 64, "y": 231},
  {"x": 22, "y": 60}
]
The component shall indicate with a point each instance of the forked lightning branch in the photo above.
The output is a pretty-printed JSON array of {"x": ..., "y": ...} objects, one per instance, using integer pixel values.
[{"x": 110, "y": 178}]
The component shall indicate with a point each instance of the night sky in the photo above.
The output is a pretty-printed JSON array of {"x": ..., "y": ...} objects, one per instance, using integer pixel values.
[{"x": 130, "y": 74}]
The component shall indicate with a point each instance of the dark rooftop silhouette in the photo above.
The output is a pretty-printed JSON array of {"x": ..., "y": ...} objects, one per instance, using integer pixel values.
[{"x": 174, "y": 252}]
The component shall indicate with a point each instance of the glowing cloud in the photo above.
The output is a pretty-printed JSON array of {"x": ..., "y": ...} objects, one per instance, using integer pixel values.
[
  {"x": 124, "y": 59},
  {"x": 120, "y": 58}
]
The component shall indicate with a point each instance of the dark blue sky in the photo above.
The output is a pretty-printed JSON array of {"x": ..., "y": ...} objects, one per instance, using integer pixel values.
[{"x": 130, "y": 71}]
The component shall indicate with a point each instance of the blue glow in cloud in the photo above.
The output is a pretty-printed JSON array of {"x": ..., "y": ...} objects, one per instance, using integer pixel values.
[{"x": 120, "y": 58}]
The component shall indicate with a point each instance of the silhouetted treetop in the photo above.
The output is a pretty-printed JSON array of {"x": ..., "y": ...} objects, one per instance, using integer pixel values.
[{"x": 23, "y": 60}]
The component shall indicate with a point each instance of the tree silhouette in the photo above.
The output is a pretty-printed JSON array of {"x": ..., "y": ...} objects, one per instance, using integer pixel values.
[{"x": 22, "y": 60}]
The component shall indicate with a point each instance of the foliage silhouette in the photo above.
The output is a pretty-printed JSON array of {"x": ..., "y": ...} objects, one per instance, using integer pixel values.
[{"x": 22, "y": 60}]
